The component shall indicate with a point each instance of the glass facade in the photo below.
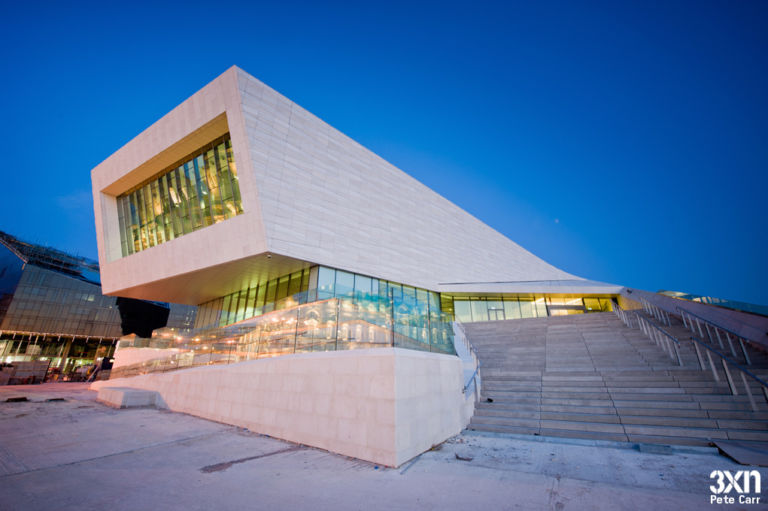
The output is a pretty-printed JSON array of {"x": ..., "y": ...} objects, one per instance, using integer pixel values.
[
  {"x": 52, "y": 308},
  {"x": 409, "y": 312},
  {"x": 416, "y": 313},
  {"x": 47, "y": 301},
  {"x": 260, "y": 298},
  {"x": 367, "y": 307},
  {"x": 474, "y": 308},
  {"x": 342, "y": 323},
  {"x": 200, "y": 191}
]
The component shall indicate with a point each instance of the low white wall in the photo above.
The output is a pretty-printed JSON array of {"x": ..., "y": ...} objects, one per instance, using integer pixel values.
[{"x": 384, "y": 405}]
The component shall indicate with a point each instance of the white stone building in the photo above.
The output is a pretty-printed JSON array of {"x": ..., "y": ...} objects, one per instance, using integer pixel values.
[{"x": 294, "y": 239}]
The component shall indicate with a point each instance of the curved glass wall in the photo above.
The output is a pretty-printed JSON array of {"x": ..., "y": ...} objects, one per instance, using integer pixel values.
[
  {"x": 199, "y": 191},
  {"x": 412, "y": 315}
]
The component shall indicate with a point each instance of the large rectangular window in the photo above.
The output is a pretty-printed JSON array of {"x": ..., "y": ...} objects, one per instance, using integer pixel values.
[{"x": 196, "y": 192}]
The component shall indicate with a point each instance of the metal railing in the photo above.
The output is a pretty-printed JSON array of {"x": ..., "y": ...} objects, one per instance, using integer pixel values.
[
  {"x": 628, "y": 317},
  {"x": 656, "y": 312},
  {"x": 661, "y": 337},
  {"x": 672, "y": 346},
  {"x": 726, "y": 361},
  {"x": 693, "y": 323},
  {"x": 460, "y": 334}
]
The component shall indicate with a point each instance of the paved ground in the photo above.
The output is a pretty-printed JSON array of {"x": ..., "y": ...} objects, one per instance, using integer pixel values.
[{"x": 79, "y": 454}]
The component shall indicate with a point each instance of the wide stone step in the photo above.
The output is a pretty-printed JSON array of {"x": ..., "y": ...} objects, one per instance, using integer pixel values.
[
  {"x": 737, "y": 414},
  {"x": 606, "y": 410},
  {"x": 511, "y": 401},
  {"x": 581, "y": 417},
  {"x": 743, "y": 424},
  {"x": 512, "y": 414},
  {"x": 504, "y": 421},
  {"x": 504, "y": 428},
  {"x": 651, "y": 403},
  {"x": 662, "y": 412},
  {"x": 590, "y": 435},
  {"x": 672, "y": 431},
  {"x": 743, "y": 434},
  {"x": 581, "y": 426},
  {"x": 496, "y": 387},
  {"x": 576, "y": 395},
  {"x": 576, "y": 402},
  {"x": 686, "y": 422},
  {"x": 575, "y": 389}
]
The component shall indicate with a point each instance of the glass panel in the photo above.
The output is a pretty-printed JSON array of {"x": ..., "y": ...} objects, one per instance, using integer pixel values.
[
  {"x": 269, "y": 299},
  {"x": 495, "y": 310},
  {"x": 527, "y": 308},
  {"x": 260, "y": 297},
  {"x": 282, "y": 287},
  {"x": 461, "y": 310},
  {"x": 479, "y": 311},
  {"x": 225, "y": 310},
  {"x": 592, "y": 304},
  {"x": 345, "y": 284},
  {"x": 362, "y": 287},
  {"x": 326, "y": 278},
  {"x": 233, "y": 176},
  {"x": 512, "y": 309},
  {"x": 294, "y": 286}
]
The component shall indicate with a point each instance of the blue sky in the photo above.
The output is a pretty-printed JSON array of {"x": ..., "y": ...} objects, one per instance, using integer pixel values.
[{"x": 623, "y": 142}]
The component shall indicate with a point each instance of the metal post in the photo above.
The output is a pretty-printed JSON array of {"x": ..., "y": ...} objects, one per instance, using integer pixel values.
[
  {"x": 682, "y": 316},
  {"x": 749, "y": 392},
  {"x": 730, "y": 342},
  {"x": 709, "y": 334},
  {"x": 744, "y": 351},
  {"x": 392, "y": 314},
  {"x": 730, "y": 380},
  {"x": 338, "y": 318},
  {"x": 677, "y": 354},
  {"x": 712, "y": 365},
  {"x": 296, "y": 330},
  {"x": 698, "y": 355},
  {"x": 698, "y": 323}
]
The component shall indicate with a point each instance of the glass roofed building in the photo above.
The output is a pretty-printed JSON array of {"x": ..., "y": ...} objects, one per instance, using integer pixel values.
[{"x": 52, "y": 308}]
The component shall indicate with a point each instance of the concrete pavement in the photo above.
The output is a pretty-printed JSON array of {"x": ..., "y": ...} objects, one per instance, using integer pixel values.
[{"x": 78, "y": 454}]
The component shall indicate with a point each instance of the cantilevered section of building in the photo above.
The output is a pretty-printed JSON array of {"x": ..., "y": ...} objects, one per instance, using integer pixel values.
[{"x": 238, "y": 187}]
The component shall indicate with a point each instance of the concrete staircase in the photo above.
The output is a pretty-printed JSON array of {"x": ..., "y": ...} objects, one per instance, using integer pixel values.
[{"x": 589, "y": 376}]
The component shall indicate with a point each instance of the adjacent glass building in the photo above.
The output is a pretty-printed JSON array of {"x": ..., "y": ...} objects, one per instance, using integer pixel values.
[{"x": 52, "y": 307}]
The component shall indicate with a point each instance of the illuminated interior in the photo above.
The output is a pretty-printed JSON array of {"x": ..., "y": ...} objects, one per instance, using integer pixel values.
[{"x": 199, "y": 191}]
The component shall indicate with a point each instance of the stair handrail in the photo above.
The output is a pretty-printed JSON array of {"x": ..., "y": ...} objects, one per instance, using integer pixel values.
[
  {"x": 726, "y": 361},
  {"x": 661, "y": 337},
  {"x": 622, "y": 314},
  {"x": 476, "y": 360},
  {"x": 707, "y": 323},
  {"x": 655, "y": 311}
]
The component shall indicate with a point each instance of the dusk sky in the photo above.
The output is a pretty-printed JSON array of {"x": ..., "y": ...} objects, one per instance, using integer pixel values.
[{"x": 622, "y": 142}]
